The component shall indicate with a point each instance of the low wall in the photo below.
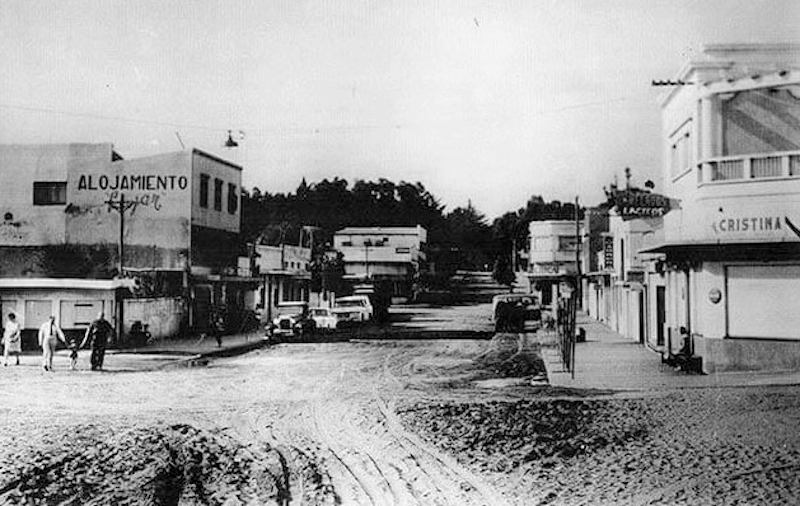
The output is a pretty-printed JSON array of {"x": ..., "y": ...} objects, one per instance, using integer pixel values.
[
  {"x": 720, "y": 355},
  {"x": 164, "y": 315}
]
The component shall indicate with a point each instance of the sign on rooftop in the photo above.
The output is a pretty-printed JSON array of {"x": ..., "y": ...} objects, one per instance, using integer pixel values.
[{"x": 635, "y": 203}]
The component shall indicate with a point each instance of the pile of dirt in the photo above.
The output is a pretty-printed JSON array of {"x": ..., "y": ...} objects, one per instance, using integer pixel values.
[
  {"x": 511, "y": 356},
  {"x": 162, "y": 465},
  {"x": 501, "y": 436}
]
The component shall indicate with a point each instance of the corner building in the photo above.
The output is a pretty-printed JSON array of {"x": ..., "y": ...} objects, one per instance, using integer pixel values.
[
  {"x": 60, "y": 235},
  {"x": 731, "y": 250}
]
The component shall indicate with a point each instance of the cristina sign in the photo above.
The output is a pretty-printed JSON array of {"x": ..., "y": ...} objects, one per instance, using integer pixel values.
[
  {"x": 640, "y": 204},
  {"x": 149, "y": 182},
  {"x": 748, "y": 224}
]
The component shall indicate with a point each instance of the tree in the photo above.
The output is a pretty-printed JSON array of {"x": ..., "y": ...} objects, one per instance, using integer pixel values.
[{"x": 327, "y": 269}]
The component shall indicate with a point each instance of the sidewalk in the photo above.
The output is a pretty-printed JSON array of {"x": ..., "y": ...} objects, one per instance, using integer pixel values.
[
  {"x": 170, "y": 353},
  {"x": 609, "y": 361}
]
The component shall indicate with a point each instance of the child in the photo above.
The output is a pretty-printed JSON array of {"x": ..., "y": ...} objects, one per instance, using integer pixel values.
[{"x": 74, "y": 346}]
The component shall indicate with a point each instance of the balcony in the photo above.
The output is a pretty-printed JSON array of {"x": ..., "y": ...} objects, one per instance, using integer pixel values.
[{"x": 749, "y": 167}]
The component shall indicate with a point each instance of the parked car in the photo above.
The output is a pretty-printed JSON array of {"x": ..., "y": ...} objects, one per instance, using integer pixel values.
[
  {"x": 292, "y": 318},
  {"x": 324, "y": 318},
  {"x": 353, "y": 308},
  {"x": 515, "y": 312}
]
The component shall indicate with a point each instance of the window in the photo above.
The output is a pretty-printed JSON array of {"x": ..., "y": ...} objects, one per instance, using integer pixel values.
[
  {"x": 762, "y": 301},
  {"x": 233, "y": 200},
  {"x": 203, "y": 190},
  {"x": 680, "y": 152},
  {"x": 402, "y": 250},
  {"x": 217, "y": 194},
  {"x": 49, "y": 193},
  {"x": 347, "y": 243},
  {"x": 567, "y": 243}
]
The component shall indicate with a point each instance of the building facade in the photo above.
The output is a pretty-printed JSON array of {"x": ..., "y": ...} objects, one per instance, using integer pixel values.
[
  {"x": 553, "y": 257},
  {"x": 155, "y": 227},
  {"x": 285, "y": 275},
  {"x": 394, "y": 255},
  {"x": 731, "y": 138}
]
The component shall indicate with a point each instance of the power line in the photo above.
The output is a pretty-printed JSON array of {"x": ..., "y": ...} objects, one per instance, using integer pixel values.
[
  {"x": 313, "y": 129},
  {"x": 111, "y": 118}
]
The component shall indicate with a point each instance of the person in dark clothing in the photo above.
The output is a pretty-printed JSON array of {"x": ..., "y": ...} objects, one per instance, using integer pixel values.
[
  {"x": 97, "y": 335},
  {"x": 502, "y": 316}
]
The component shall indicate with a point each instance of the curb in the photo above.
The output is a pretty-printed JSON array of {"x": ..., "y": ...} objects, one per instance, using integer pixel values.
[{"x": 202, "y": 359}]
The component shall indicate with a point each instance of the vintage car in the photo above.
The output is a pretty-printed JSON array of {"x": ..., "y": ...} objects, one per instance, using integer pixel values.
[
  {"x": 324, "y": 318},
  {"x": 353, "y": 308},
  {"x": 292, "y": 318},
  {"x": 515, "y": 312}
]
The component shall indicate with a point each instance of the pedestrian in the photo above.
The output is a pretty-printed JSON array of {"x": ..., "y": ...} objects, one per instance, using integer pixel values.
[
  {"x": 12, "y": 341},
  {"x": 502, "y": 316},
  {"x": 217, "y": 328},
  {"x": 73, "y": 345},
  {"x": 49, "y": 335},
  {"x": 97, "y": 335}
]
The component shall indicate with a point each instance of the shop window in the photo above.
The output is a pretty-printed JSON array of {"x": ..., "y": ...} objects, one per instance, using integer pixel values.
[
  {"x": 217, "y": 194},
  {"x": 233, "y": 200},
  {"x": 204, "y": 190},
  {"x": 49, "y": 193}
]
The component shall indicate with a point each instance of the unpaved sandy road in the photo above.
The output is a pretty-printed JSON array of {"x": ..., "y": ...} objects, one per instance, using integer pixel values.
[{"x": 323, "y": 412}]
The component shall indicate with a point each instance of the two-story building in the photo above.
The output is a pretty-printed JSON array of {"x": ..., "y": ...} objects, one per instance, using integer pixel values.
[
  {"x": 84, "y": 230},
  {"x": 553, "y": 257},
  {"x": 731, "y": 136},
  {"x": 394, "y": 255}
]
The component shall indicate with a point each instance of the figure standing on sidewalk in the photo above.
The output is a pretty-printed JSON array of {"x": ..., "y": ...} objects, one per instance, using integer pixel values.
[
  {"x": 217, "y": 327},
  {"x": 12, "y": 342},
  {"x": 49, "y": 335},
  {"x": 97, "y": 334}
]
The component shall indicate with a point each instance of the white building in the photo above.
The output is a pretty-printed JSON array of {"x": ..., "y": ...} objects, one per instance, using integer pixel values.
[
  {"x": 553, "y": 256},
  {"x": 284, "y": 273},
  {"x": 390, "y": 254},
  {"x": 60, "y": 235},
  {"x": 633, "y": 285},
  {"x": 731, "y": 138}
]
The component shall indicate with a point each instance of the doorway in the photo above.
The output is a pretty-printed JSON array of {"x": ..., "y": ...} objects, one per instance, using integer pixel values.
[
  {"x": 642, "y": 315},
  {"x": 660, "y": 314}
]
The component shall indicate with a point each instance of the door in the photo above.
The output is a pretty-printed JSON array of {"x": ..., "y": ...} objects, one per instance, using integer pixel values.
[
  {"x": 661, "y": 314},
  {"x": 642, "y": 314}
]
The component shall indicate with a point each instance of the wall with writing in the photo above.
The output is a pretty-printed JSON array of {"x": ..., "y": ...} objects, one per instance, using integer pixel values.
[{"x": 157, "y": 200}]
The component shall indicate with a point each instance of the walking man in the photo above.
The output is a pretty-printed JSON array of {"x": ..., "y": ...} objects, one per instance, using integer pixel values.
[
  {"x": 97, "y": 334},
  {"x": 49, "y": 335}
]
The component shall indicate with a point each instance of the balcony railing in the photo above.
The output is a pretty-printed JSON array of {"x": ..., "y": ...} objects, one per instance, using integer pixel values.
[{"x": 745, "y": 167}]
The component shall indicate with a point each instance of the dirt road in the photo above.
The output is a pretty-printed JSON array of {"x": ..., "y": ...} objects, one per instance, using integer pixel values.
[
  {"x": 386, "y": 422},
  {"x": 320, "y": 417}
]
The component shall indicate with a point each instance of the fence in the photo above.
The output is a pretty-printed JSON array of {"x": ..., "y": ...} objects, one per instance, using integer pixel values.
[{"x": 565, "y": 327}]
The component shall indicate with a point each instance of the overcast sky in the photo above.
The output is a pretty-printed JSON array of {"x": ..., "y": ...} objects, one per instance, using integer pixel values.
[{"x": 492, "y": 101}]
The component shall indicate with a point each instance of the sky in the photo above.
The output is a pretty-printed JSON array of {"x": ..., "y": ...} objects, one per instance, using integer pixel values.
[{"x": 488, "y": 102}]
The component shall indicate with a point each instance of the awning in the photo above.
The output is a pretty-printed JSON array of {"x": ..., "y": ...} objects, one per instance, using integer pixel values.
[
  {"x": 595, "y": 274},
  {"x": 67, "y": 283},
  {"x": 717, "y": 251}
]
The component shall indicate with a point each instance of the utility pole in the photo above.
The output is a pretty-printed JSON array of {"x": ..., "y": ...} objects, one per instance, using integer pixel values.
[
  {"x": 367, "y": 244},
  {"x": 120, "y": 206},
  {"x": 578, "y": 287}
]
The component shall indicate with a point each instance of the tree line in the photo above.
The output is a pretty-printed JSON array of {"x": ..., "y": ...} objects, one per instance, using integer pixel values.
[{"x": 462, "y": 238}]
